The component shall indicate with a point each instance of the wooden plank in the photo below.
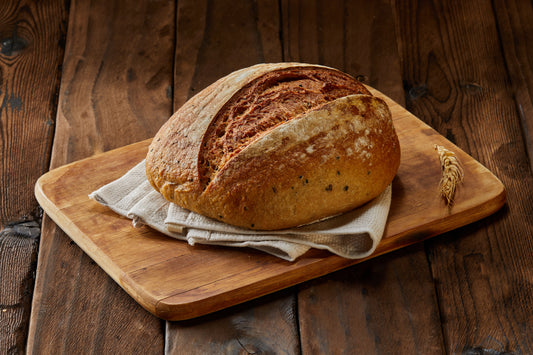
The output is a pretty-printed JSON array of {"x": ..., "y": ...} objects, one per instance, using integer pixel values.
[
  {"x": 30, "y": 56},
  {"x": 213, "y": 39},
  {"x": 114, "y": 91},
  {"x": 457, "y": 81},
  {"x": 263, "y": 326},
  {"x": 515, "y": 30},
  {"x": 216, "y": 38},
  {"x": 31, "y": 51},
  {"x": 351, "y": 306},
  {"x": 18, "y": 257},
  {"x": 345, "y": 311}
]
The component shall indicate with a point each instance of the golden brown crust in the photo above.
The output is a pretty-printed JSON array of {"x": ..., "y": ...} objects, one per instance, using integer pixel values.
[
  {"x": 273, "y": 98},
  {"x": 326, "y": 160}
]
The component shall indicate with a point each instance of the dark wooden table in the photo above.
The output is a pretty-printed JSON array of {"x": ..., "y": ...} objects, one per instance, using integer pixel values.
[{"x": 82, "y": 77}]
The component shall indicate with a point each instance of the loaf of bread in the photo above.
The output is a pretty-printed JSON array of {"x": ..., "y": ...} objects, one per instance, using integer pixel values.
[{"x": 275, "y": 146}]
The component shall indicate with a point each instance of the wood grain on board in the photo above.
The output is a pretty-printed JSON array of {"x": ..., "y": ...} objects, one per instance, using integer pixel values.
[{"x": 144, "y": 262}]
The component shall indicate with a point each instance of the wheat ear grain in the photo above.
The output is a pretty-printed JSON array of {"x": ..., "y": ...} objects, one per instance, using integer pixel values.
[{"x": 452, "y": 174}]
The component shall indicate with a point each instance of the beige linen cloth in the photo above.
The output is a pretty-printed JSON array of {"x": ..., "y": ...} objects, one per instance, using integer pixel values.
[{"x": 351, "y": 235}]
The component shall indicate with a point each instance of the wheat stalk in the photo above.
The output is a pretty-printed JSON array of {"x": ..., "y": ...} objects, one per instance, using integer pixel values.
[{"x": 452, "y": 174}]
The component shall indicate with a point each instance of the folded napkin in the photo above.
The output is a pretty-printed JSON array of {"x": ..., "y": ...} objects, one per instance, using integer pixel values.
[{"x": 354, "y": 234}]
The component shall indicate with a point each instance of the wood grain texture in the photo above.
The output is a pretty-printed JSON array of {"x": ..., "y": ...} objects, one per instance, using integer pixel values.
[
  {"x": 118, "y": 63},
  {"x": 515, "y": 30},
  {"x": 18, "y": 257},
  {"x": 262, "y": 326},
  {"x": 113, "y": 66},
  {"x": 457, "y": 81},
  {"x": 355, "y": 36},
  {"x": 347, "y": 312},
  {"x": 359, "y": 37},
  {"x": 238, "y": 36},
  {"x": 144, "y": 261},
  {"x": 31, "y": 51}
]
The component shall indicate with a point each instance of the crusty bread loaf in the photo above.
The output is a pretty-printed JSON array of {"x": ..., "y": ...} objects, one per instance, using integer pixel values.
[{"x": 275, "y": 146}]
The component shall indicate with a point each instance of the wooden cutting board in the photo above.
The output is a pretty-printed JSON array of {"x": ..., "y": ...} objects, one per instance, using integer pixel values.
[{"x": 175, "y": 281}]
